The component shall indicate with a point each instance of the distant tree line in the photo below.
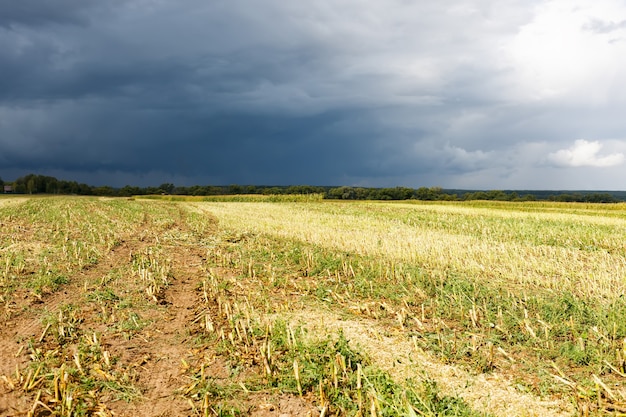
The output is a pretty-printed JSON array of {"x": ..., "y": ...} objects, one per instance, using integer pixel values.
[{"x": 40, "y": 184}]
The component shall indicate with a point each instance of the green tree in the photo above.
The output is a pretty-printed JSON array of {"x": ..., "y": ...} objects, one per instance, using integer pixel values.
[
  {"x": 104, "y": 191},
  {"x": 129, "y": 190},
  {"x": 344, "y": 193},
  {"x": 167, "y": 188},
  {"x": 51, "y": 185},
  {"x": 30, "y": 186}
]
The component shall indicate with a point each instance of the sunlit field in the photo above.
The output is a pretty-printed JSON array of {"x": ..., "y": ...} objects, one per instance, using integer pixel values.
[
  {"x": 266, "y": 306},
  {"x": 524, "y": 247}
]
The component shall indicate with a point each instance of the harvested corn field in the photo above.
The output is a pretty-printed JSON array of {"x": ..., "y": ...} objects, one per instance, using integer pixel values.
[{"x": 116, "y": 307}]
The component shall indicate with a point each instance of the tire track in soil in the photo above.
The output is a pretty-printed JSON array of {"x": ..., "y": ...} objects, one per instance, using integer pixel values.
[
  {"x": 158, "y": 351},
  {"x": 162, "y": 375}
]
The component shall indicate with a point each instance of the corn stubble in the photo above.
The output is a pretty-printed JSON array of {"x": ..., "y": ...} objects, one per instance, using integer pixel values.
[
  {"x": 514, "y": 289},
  {"x": 530, "y": 294}
]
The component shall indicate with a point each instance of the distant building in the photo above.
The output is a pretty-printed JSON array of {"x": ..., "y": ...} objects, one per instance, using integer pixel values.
[{"x": 8, "y": 189}]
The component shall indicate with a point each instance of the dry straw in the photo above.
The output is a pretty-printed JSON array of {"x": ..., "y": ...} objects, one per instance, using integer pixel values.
[{"x": 541, "y": 249}]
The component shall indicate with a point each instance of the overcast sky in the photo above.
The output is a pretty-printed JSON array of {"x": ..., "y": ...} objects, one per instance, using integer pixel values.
[{"x": 480, "y": 94}]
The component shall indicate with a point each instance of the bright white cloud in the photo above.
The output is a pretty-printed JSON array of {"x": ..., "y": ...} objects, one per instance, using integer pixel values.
[
  {"x": 571, "y": 50},
  {"x": 585, "y": 153}
]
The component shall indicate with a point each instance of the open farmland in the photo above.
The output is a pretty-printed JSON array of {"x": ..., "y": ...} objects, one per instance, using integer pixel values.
[{"x": 218, "y": 308}]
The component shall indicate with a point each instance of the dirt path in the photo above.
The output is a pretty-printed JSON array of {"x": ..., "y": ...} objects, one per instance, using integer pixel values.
[{"x": 159, "y": 351}]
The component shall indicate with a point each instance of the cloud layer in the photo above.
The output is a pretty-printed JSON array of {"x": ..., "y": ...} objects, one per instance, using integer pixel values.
[
  {"x": 584, "y": 153},
  {"x": 477, "y": 94}
]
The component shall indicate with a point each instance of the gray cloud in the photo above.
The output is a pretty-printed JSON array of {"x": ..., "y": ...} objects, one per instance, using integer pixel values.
[
  {"x": 43, "y": 12},
  {"x": 323, "y": 92}
]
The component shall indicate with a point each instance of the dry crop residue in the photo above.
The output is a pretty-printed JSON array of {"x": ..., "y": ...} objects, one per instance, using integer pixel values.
[
  {"x": 115, "y": 340},
  {"x": 150, "y": 356},
  {"x": 395, "y": 354}
]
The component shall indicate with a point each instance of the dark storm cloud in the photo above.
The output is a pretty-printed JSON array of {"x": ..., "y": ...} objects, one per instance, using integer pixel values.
[
  {"x": 44, "y": 12},
  {"x": 48, "y": 12},
  {"x": 323, "y": 92}
]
